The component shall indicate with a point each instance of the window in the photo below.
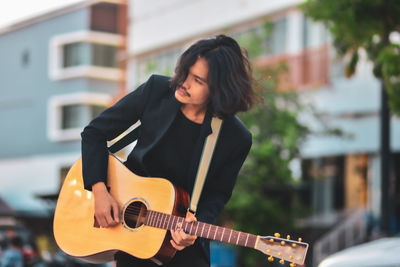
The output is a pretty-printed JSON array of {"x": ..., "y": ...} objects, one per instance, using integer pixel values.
[
  {"x": 267, "y": 38},
  {"x": 163, "y": 63},
  {"x": 314, "y": 34},
  {"x": 74, "y": 55},
  {"x": 104, "y": 55},
  {"x": 104, "y": 17},
  {"x": 25, "y": 58},
  {"x": 68, "y": 114},
  {"x": 73, "y": 116},
  {"x": 85, "y": 54}
]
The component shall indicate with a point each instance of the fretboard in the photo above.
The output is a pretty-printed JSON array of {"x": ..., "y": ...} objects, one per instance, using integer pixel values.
[{"x": 209, "y": 231}]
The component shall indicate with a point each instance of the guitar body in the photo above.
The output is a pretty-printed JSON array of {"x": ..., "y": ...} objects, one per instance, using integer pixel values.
[{"x": 77, "y": 233}]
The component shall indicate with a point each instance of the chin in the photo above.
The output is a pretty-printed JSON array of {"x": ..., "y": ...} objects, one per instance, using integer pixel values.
[{"x": 179, "y": 97}]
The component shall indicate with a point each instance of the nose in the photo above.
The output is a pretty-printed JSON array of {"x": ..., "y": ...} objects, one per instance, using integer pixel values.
[{"x": 186, "y": 85}]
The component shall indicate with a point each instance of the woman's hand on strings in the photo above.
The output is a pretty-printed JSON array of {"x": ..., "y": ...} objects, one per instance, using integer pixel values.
[
  {"x": 180, "y": 239},
  {"x": 106, "y": 209}
]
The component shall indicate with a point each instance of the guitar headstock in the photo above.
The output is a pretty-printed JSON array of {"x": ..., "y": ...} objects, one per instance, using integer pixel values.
[{"x": 284, "y": 249}]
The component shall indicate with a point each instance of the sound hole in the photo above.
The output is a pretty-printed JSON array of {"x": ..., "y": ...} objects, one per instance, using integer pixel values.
[{"x": 135, "y": 214}]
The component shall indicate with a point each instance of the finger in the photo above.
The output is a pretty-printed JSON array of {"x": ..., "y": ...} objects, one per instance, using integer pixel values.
[
  {"x": 184, "y": 235},
  {"x": 109, "y": 218},
  {"x": 190, "y": 218},
  {"x": 184, "y": 239},
  {"x": 115, "y": 210},
  {"x": 102, "y": 222},
  {"x": 176, "y": 237},
  {"x": 176, "y": 246}
]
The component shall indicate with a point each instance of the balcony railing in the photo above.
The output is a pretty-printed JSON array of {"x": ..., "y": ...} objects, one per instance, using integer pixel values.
[
  {"x": 352, "y": 231},
  {"x": 308, "y": 69}
]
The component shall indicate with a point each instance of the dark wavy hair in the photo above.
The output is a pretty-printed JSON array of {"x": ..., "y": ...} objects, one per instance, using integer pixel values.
[{"x": 229, "y": 78}]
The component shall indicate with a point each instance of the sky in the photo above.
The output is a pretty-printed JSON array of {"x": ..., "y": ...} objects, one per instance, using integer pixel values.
[{"x": 13, "y": 11}]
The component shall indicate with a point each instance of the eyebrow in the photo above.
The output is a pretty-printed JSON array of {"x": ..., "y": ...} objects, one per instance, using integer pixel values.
[{"x": 200, "y": 78}]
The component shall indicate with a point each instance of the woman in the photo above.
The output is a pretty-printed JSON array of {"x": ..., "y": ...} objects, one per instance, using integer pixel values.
[{"x": 212, "y": 78}]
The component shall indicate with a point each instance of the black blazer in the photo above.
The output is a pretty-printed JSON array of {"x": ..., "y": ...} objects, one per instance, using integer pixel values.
[{"x": 155, "y": 105}]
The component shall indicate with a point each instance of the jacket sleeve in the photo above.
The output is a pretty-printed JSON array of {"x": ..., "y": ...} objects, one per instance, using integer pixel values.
[
  {"x": 217, "y": 194},
  {"x": 108, "y": 125}
]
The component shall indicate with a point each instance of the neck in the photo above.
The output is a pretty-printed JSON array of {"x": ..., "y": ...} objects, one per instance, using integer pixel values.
[
  {"x": 194, "y": 113},
  {"x": 209, "y": 231}
]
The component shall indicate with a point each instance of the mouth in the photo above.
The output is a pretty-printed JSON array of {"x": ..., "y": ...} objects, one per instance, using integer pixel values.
[{"x": 183, "y": 89}]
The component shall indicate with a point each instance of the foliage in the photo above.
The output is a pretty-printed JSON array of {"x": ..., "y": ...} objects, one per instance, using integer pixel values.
[
  {"x": 365, "y": 24},
  {"x": 255, "y": 206}
]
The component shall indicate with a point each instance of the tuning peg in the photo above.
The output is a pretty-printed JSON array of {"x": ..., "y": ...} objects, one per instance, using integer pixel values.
[
  {"x": 280, "y": 254},
  {"x": 283, "y": 243},
  {"x": 268, "y": 251},
  {"x": 290, "y": 257},
  {"x": 277, "y": 235},
  {"x": 294, "y": 245},
  {"x": 282, "y": 262},
  {"x": 293, "y": 264},
  {"x": 270, "y": 259},
  {"x": 271, "y": 240},
  {"x": 300, "y": 239},
  {"x": 288, "y": 237}
]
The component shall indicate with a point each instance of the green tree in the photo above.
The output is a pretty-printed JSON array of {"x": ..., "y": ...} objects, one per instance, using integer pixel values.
[
  {"x": 369, "y": 25},
  {"x": 366, "y": 24},
  {"x": 256, "y": 205}
]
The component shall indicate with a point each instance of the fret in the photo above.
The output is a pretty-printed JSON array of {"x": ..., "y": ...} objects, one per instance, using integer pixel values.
[
  {"x": 181, "y": 222},
  {"x": 163, "y": 217},
  {"x": 158, "y": 219},
  {"x": 169, "y": 221},
  {"x": 234, "y": 236},
  {"x": 247, "y": 239},
  {"x": 152, "y": 218},
  {"x": 146, "y": 219},
  {"x": 161, "y": 220},
  {"x": 172, "y": 223}
]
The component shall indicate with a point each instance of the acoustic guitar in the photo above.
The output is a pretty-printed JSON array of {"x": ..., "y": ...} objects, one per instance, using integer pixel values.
[{"x": 149, "y": 207}]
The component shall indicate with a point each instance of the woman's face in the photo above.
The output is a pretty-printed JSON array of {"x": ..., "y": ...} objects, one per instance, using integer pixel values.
[{"x": 194, "y": 91}]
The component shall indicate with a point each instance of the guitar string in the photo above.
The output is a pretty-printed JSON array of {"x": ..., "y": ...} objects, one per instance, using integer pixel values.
[{"x": 161, "y": 221}]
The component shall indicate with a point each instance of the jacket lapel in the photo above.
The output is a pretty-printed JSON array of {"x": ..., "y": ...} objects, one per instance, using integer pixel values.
[{"x": 166, "y": 115}]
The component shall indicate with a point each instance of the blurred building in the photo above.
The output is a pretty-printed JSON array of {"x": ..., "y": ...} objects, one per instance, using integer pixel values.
[
  {"x": 58, "y": 71},
  {"x": 340, "y": 174}
]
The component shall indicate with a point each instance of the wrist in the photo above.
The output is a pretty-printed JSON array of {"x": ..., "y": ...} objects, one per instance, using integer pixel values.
[{"x": 99, "y": 187}]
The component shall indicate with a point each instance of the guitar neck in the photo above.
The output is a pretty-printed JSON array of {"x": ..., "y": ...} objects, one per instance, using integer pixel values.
[{"x": 205, "y": 230}]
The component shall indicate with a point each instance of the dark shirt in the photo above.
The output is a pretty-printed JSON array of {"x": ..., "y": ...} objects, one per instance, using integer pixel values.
[{"x": 172, "y": 156}]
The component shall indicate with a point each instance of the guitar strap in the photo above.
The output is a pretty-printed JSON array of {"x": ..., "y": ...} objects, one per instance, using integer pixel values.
[
  {"x": 205, "y": 159},
  {"x": 204, "y": 164}
]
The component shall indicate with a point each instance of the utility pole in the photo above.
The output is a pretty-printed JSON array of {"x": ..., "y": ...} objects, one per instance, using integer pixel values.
[{"x": 385, "y": 157}]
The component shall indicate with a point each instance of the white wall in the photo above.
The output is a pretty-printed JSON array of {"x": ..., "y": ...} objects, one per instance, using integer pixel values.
[{"x": 158, "y": 23}]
